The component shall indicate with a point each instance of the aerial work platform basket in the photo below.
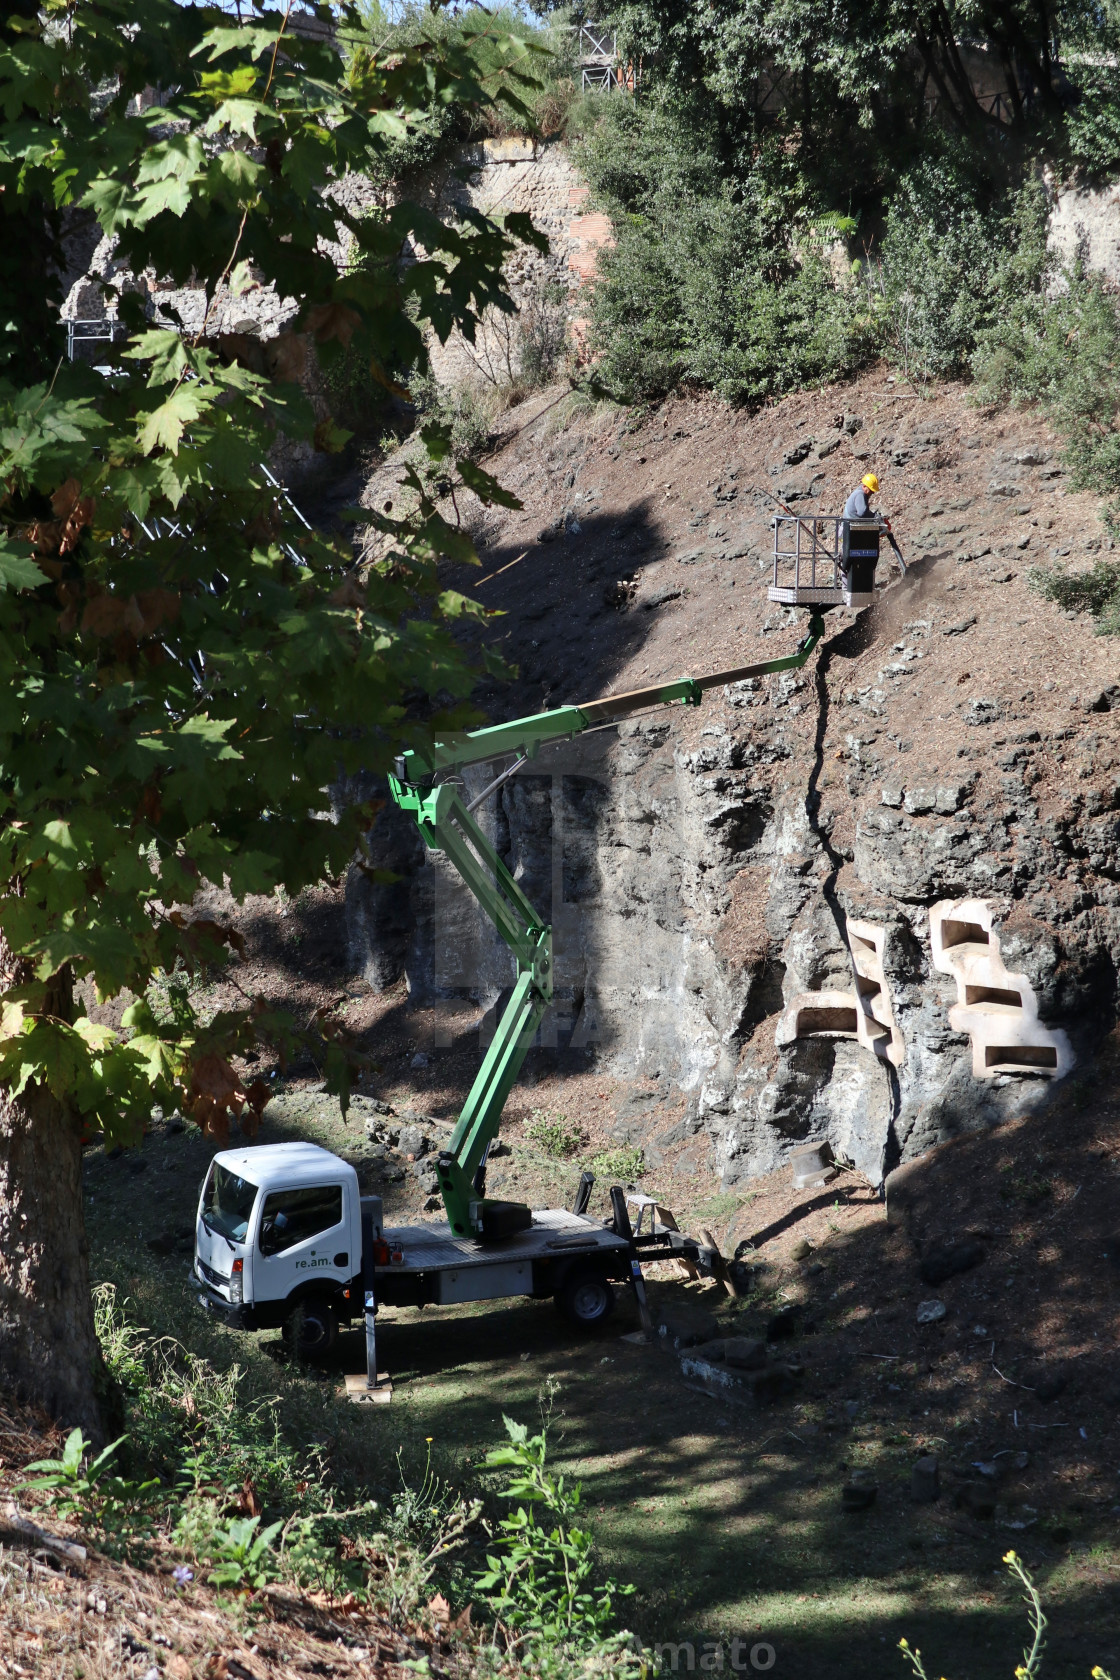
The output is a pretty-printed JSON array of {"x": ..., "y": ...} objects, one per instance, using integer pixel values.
[{"x": 821, "y": 560}]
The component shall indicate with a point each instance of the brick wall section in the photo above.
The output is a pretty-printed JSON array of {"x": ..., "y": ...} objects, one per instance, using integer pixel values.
[
  {"x": 589, "y": 235},
  {"x": 539, "y": 179}
]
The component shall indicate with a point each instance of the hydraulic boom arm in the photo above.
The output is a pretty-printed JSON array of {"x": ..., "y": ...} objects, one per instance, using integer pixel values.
[{"x": 447, "y": 826}]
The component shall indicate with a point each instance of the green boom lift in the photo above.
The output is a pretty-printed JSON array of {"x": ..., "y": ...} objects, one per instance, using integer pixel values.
[{"x": 447, "y": 826}]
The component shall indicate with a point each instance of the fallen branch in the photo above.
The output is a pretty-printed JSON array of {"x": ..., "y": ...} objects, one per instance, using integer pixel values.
[{"x": 19, "y": 1524}]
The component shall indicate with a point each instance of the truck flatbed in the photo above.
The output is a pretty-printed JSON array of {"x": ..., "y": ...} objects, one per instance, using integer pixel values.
[
  {"x": 431, "y": 1247},
  {"x": 435, "y": 1265}
]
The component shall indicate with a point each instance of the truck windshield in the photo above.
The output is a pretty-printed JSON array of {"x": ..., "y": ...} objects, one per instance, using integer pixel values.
[{"x": 227, "y": 1203}]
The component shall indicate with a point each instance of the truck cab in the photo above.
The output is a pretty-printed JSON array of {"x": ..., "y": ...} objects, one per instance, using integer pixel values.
[{"x": 278, "y": 1241}]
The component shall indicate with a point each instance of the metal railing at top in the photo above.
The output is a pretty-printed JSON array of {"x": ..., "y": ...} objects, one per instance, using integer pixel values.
[
  {"x": 597, "y": 40},
  {"x": 103, "y": 329},
  {"x": 997, "y": 105},
  {"x": 598, "y": 59},
  {"x": 813, "y": 545},
  {"x": 816, "y": 547},
  {"x": 162, "y": 526}
]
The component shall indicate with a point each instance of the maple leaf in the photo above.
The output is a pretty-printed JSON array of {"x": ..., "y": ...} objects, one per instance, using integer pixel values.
[
  {"x": 18, "y": 571},
  {"x": 166, "y": 424},
  {"x": 65, "y": 499},
  {"x": 203, "y": 933}
]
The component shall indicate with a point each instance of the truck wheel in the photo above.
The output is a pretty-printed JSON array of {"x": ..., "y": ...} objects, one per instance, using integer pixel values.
[
  {"x": 586, "y": 1298},
  {"x": 311, "y": 1329}
]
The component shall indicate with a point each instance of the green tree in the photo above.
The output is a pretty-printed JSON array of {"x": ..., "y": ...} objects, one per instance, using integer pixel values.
[
  {"x": 872, "y": 72},
  {"x": 184, "y": 669}
]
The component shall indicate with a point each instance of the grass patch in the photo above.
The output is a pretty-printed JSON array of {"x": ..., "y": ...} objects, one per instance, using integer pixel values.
[{"x": 725, "y": 1205}]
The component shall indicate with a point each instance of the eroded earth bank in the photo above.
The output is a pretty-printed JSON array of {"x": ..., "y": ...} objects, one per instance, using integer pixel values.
[{"x": 875, "y": 900}]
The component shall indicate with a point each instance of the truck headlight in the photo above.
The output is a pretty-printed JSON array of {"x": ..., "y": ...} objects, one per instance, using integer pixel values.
[{"x": 237, "y": 1283}]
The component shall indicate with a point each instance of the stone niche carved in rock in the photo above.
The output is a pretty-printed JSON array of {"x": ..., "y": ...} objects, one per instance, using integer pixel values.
[
  {"x": 865, "y": 1014},
  {"x": 876, "y": 1023},
  {"x": 997, "y": 1009}
]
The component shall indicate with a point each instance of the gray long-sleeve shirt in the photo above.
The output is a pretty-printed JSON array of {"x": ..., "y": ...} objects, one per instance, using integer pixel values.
[{"x": 857, "y": 505}]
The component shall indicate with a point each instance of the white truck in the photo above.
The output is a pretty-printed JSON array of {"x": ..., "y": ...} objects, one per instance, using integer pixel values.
[{"x": 285, "y": 1239}]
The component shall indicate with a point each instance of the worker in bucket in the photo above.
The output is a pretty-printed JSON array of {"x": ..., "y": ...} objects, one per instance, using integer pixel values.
[
  {"x": 859, "y": 566},
  {"x": 858, "y": 504}
]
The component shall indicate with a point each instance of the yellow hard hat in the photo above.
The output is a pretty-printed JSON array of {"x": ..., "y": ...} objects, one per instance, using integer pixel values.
[{"x": 870, "y": 483}]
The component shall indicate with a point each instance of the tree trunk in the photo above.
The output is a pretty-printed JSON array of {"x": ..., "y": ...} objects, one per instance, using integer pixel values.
[{"x": 49, "y": 1353}]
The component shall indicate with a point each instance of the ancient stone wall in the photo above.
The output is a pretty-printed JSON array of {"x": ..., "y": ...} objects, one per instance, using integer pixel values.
[
  {"x": 535, "y": 178},
  {"x": 1085, "y": 223},
  {"x": 641, "y": 852}
]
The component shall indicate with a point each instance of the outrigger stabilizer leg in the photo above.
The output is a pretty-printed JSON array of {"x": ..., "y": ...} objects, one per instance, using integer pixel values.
[{"x": 447, "y": 826}]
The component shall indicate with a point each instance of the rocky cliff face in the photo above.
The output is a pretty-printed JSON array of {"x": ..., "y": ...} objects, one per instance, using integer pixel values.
[{"x": 876, "y": 900}]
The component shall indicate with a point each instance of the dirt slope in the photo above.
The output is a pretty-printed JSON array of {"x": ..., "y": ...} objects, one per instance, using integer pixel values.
[
  {"x": 673, "y": 502},
  {"x": 729, "y": 1517},
  {"x": 961, "y": 738}
]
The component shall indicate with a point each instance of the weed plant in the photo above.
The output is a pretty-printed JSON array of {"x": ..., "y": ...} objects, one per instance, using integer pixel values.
[
  {"x": 555, "y": 1134},
  {"x": 279, "y": 1523},
  {"x": 1031, "y": 1664},
  {"x": 212, "y": 1476},
  {"x": 93, "y": 1493},
  {"x": 623, "y": 1164},
  {"x": 540, "y": 1583}
]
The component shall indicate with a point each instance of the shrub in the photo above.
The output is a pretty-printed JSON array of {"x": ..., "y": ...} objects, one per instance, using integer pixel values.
[
  {"x": 715, "y": 277},
  {"x": 540, "y": 1578},
  {"x": 623, "y": 1164},
  {"x": 1093, "y": 124},
  {"x": 227, "y": 1490},
  {"x": 468, "y": 409},
  {"x": 239, "y": 1556},
  {"x": 1059, "y": 344},
  {"x": 956, "y": 252},
  {"x": 554, "y": 1134},
  {"x": 1096, "y": 591}
]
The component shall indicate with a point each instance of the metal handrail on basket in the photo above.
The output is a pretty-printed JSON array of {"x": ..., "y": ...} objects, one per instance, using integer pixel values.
[{"x": 808, "y": 525}]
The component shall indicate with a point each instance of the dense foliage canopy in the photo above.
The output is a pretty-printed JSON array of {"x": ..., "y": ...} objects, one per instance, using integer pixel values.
[
  {"x": 798, "y": 189},
  {"x": 184, "y": 667}
]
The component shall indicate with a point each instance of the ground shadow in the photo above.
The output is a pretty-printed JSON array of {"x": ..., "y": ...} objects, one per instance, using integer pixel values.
[{"x": 728, "y": 1518}]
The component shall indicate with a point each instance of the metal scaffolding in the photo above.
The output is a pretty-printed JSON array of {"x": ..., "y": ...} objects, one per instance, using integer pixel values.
[{"x": 598, "y": 59}]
